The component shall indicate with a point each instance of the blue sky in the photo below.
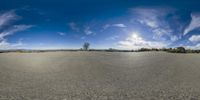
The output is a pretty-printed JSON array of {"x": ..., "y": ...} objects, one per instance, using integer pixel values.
[{"x": 121, "y": 24}]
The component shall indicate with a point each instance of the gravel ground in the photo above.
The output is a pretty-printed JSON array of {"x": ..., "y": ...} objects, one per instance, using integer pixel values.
[{"x": 99, "y": 76}]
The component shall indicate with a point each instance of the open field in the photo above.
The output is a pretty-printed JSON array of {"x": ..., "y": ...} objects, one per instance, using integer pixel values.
[{"x": 99, "y": 76}]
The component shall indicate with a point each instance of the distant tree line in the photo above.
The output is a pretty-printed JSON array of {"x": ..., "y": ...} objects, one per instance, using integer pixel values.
[
  {"x": 86, "y": 47},
  {"x": 172, "y": 50}
]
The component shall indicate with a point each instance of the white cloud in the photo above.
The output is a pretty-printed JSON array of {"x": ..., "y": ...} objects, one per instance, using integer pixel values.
[
  {"x": 88, "y": 31},
  {"x": 14, "y": 29},
  {"x": 6, "y": 45},
  {"x": 149, "y": 16},
  {"x": 194, "y": 24},
  {"x": 160, "y": 31},
  {"x": 113, "y": 37},
  {"x": 195, "y": 38},
  {"x": 137, "y": 42},
  {"x": 154, "y": 18},
  {"x": 151, "y": 23},
  {"x": 119, "y": 25},
  {"x": 74, "y": 26},
  {"x": 195, "y": 47},
  {"x": 7, "y": 17},
  {"x": 61, "y": 33},
  {"x": 106, "y": 26},
  {"x": 174, "y": 38}
]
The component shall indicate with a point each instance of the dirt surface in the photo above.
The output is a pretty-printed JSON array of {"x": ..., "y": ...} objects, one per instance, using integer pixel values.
[{"x": 99, "y": 76}]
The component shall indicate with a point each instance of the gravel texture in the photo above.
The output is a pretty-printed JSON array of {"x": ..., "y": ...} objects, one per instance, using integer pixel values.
[{"x": 99, "y": 76}]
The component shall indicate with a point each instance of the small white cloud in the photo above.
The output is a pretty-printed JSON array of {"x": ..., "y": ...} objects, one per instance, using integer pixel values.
[
  {"x": 195, "y": 38},
  {"x": 61, "y": 33},
  {"x": 106, "y": 26},
  {"x": 113, "y": 37},
  {"x": 174, "y": 38},
  {"x": 137, "y": 42},
  {"x": 151, "y": 23},
  {"x": 194, "y": 24},
  {"x": 74, "y": 26},
  {"x": 88, "y": 31},
  {"x": 160, "y": 32},
  {"x": 119, "y": 25}
]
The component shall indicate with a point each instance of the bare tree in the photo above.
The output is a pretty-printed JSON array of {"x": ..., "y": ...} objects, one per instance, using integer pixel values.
[{"x": 86, "y": 46}]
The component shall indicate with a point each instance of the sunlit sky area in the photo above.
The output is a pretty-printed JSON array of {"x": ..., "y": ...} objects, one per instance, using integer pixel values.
[{"x": 120, "y": 24}]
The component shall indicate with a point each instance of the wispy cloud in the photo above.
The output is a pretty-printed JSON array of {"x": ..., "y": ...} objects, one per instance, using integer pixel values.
[
  {"x": 115, "y": 37},
  {"x": 135, "y": 42},
  {"x": 195, "y": 38},
  {"x": 6, "y": 45},
  {"x": 14, "y": 29},
  {"x": 154, "y": 18},
  {"x": 119, "y": 25},
  {"x": 150, "y": 16},
  {"x": 197, "y": 46},
  {"x": 174, "y": 38},
  {"x": 194, "y": 24},
  {"x": 61, "y": 33},
  {"x": 88, "y": 31},
  {"x": 74, "y": 26},
  {"x": 106, "y": 26},
  {"x": 7, "y": 17},
  {"x": 84, "y": 28}
]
